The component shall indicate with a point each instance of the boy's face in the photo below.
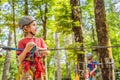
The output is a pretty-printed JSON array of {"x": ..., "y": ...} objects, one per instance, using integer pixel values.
[
  {"x": 90, "y": 59},
  {"x": 33, "y": 27}
]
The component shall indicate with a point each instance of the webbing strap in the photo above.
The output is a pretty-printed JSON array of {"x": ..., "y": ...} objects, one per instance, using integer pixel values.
[
  {"x": 18, "y": 74},
  {"x": 20, "y": 70},
  {"x": 93, "y": 66}
]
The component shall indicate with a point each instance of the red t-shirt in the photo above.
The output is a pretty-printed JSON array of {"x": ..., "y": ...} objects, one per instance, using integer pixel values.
[
  {"x": 22, "y": 43},
  {"x": 37, "y": 62}
]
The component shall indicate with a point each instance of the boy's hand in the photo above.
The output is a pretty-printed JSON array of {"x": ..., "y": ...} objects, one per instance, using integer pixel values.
[
  {"x": 29, "y": 46},
  {"x": 44, "y": 54},
  {"x": 91, "y": 73},
  {"x": 43, "y": 51}
]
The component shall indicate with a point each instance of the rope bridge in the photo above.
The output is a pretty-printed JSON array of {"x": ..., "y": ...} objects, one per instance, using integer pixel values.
[{"x": 52, "y": 49}]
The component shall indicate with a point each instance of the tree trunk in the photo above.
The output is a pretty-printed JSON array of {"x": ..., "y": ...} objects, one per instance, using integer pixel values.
[
  {"x": 105, "y": 54},
  {"x": 26, "y": 7},
  {"x": 45, "y": 22},
  {"x": 93, "y": 34},
  {"x": 68, "y": 75},
  {"x": 57, "y": 57},
  {"x": 7, "y": 59},
  {"x": 44, "y": 36},
  {"x": 0, "y": 43},
  {"x": 78, "y": 35},
  {"x": 13, "y": 8}
]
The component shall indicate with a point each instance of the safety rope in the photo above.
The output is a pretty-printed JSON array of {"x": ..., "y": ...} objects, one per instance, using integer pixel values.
[{"x": 75, "y": 48}]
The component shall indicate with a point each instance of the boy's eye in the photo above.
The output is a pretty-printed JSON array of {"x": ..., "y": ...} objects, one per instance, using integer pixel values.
[{"x": 34, "y": 24}]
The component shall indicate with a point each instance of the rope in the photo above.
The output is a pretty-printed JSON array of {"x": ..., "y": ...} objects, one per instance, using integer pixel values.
[
  {"x": 91, "y": 47},
  {"x": 52, "y": 49}
]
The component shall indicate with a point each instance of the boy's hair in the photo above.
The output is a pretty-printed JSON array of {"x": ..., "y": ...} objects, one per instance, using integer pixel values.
[{"x": 26, "y": 20}]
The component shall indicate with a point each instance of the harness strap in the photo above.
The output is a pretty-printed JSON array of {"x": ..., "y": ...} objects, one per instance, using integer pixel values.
[
  {"x": 31, "y": 73},
  {"x": 93, "y": 66},
  {"x": 20, "y": 70}
]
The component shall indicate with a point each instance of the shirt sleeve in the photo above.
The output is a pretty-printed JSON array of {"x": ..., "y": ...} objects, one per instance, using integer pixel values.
[
  {"x": 20, "y": 46},
  {"x": 43, "y": 45},
  {"x": 96, "y": 63}
]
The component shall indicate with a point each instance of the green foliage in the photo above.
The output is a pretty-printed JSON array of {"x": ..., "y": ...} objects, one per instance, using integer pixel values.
[
  {"x": 2, "y": 59},
  {"x": 13, "y": 67},
  {"x": 113, "y": 19},
  {"x": 75, "y": 48},
  {"x": 59, "y": 20},
  {"x": 63, "y": 16}
]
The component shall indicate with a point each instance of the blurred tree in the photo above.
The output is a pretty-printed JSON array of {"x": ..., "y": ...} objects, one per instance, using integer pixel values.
[
  {"x": 7, "y": 59},
  {"x": 78, "y": 34},
  {"x": 105, "y": 54},
  {"x": 26, "y": 7},
  {"x": 59, "y": 77}
]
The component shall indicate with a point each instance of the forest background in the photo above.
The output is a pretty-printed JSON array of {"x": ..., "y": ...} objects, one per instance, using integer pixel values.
[{"x": 55, "y": 26}]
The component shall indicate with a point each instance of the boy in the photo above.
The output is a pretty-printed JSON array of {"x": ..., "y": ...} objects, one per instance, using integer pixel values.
[
  {"x": 31, "y": 66},
  {"x": 92, "y": 66}
]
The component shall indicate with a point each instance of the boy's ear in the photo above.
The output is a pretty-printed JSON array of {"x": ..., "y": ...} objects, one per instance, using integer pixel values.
[{"x": 26, "y": 29}]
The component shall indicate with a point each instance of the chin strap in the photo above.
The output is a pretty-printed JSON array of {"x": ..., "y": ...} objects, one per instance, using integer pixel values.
[{"x": 32, "y": 33}]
